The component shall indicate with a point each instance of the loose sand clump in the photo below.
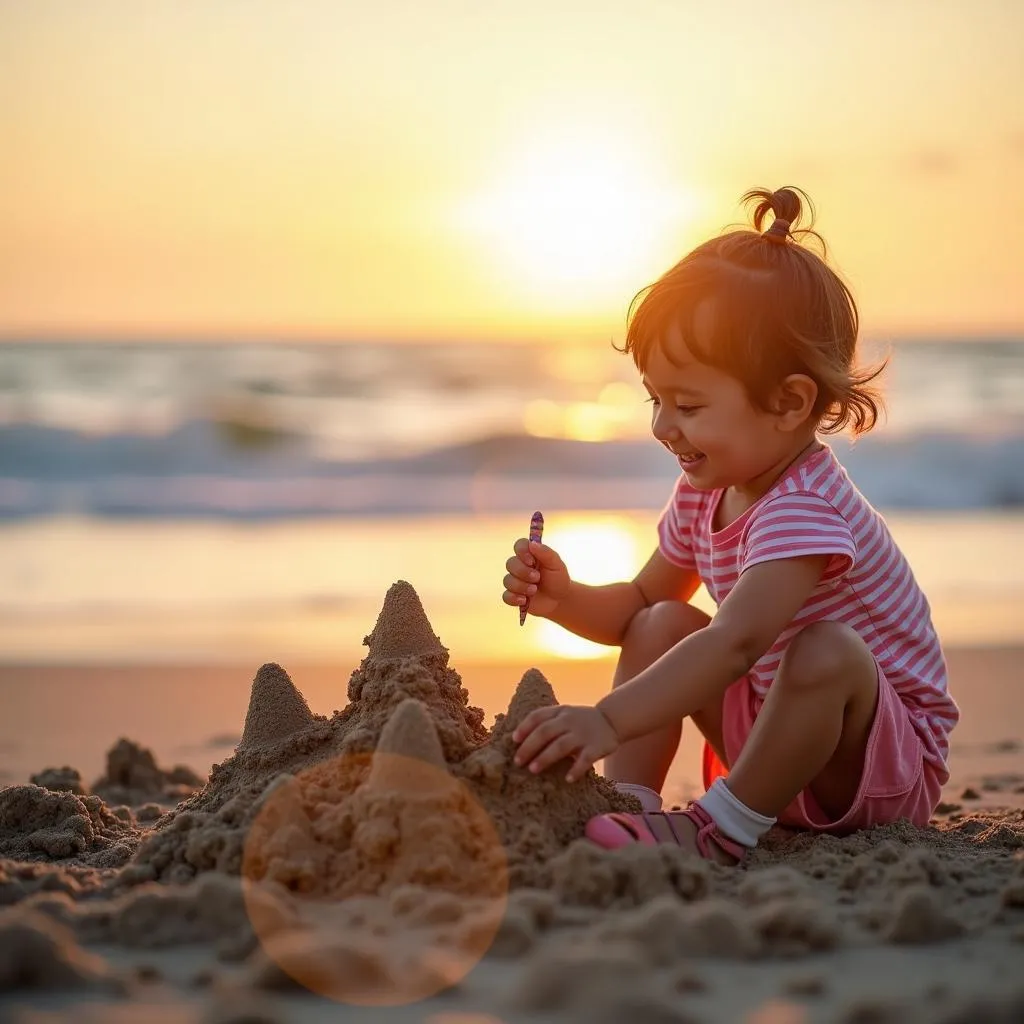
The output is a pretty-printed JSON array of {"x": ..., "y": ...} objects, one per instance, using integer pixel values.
[
  {"x": 133, "y": 778},
  {"x": 60, "y": 780},
  {"x": 37, "y": 824}
]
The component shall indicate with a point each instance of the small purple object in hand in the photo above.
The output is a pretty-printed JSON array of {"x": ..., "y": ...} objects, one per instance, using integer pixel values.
[{"x": 536, "y": 532}]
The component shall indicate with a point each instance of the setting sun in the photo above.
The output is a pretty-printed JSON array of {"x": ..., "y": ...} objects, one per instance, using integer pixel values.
[
  {"x": 578, "y": 216},
  {"x": 595, "y": 552}
]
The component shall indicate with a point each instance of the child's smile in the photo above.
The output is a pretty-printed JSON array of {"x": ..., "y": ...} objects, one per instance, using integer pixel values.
[
  {"x": 705, "y": 417},
  {"x": 690, "y": 460}
]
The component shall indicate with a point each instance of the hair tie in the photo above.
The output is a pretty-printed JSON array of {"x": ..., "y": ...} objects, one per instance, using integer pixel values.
[{"x": 779, "y": 230}]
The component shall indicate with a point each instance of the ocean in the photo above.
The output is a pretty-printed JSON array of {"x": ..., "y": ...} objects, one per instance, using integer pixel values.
[
  {"x": 273, "y": 430},
  {"x": 182, "y": 500}
]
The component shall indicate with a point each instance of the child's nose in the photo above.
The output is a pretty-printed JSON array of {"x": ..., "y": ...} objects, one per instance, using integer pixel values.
[{"x": 664, "y": 429}]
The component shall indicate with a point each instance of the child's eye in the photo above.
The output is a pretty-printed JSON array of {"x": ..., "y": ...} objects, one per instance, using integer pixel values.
[
  {"x": 686, "y": 409},
  {"x": 652, "y": 400}
]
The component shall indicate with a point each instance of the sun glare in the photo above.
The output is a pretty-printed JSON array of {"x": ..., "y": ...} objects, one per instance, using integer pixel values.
[
  {"x": 618, "y": 412},
  {"x": 595, "y": 552},
  {"x": 578, "y": 217}
]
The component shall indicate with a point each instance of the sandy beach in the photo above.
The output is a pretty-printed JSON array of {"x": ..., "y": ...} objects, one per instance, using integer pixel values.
[{"x": 313, "y": 843}]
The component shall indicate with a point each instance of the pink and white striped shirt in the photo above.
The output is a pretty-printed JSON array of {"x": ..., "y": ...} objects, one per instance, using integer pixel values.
[{"x": 815, "y": 509}]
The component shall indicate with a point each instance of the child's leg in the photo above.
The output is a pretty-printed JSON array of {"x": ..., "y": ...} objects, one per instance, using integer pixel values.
[
  {"x": 645, "y": 761},
  {"x": 813, "y": 727},
  {"x": 812, "y": 731}
]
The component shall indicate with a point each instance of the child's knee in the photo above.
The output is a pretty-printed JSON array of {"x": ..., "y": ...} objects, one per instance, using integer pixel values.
[
  {"x": 823, "y": 652},
  {"x": 653, "y": 631},
  {"x": 665, "y": 623}
]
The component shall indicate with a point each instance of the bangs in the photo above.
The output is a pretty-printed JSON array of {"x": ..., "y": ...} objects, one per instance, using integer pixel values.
[{"x": 744, "y": 313}]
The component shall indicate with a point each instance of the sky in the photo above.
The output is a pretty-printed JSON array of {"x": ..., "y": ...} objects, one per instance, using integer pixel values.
[{"x": 455, "y": 169}]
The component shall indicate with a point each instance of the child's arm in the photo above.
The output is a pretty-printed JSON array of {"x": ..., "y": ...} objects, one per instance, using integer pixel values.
[
  {"x": 696, "y": 672},
  {"x": 602, "y": 613}
]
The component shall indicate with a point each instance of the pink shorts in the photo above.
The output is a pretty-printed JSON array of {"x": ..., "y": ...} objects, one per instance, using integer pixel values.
[{"x": 897, "y": 781}]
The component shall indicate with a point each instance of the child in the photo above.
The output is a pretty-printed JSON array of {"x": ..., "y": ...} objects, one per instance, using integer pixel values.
[{"x": 820, "y": 684}]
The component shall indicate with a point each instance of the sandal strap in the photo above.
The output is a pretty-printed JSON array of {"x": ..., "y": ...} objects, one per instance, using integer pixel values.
[
  {"x": 709, "y": 832},
  {"x": 667, "y": 817}
]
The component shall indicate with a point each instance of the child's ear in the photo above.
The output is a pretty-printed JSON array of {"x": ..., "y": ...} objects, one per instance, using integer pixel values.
[{"x": 793, "y": 401}]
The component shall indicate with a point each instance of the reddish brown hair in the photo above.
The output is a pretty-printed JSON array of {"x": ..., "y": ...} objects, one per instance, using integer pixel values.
[{"x": 779, "y": 309}]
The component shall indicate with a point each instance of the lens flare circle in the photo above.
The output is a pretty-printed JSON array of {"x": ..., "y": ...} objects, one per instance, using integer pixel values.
[{"x": 373, "y": 879}]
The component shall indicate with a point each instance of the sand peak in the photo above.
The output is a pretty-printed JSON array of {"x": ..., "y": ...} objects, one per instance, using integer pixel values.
[
  {"x": 532, "y": 692},
  {"x": 402, "y": 628},
  {"x": 409, "y": 736},
  {"x": 276, "y": 708}
]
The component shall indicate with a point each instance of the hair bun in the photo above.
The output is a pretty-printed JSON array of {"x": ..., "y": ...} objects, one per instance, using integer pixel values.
[{"x": 784, "y": 204}]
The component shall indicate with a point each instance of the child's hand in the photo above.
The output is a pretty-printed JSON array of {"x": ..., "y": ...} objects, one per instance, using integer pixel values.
[
  {"x": 549, "y": 734},
  {"x": 536, "y": 572}
]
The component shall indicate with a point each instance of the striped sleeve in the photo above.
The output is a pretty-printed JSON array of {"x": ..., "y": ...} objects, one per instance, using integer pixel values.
[
  {"x": 675, "y": 527},
  {"x": 798, "y": 524}
]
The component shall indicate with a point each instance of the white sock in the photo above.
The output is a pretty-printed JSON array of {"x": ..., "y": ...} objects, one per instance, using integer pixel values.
[
  {"x": 649, "y": 799},
  {"x": 732, "y": 816}
]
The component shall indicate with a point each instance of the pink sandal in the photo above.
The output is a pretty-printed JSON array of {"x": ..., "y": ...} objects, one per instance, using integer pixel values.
[{"x": 616, "y": 830}]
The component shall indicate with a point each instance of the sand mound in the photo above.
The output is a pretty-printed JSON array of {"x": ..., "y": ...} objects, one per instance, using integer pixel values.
[
  {"x": 133, "y": 778},
  {"x": 36, "y": 824},
  {"x": 402, "y": 629},
  {"x": 56, "y": 817},
  {"x": 330, "y": 778},
  {"x": 407, "y": 821},
  {"x": 276, "y": 709},
  {"x": 60, "y": 780}
]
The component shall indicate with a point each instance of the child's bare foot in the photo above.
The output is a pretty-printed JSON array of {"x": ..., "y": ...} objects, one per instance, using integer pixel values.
[{"x": 692, "y": 829}]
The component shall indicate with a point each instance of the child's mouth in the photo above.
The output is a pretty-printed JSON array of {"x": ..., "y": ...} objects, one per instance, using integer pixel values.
[{"x": 691, "y": 460}]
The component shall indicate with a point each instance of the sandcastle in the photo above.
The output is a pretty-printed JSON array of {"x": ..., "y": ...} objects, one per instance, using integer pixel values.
[{"x": 408, "y": 722}]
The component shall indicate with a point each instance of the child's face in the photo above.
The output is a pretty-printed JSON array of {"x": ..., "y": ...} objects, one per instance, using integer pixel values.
[{"x": 705, "y": 417}]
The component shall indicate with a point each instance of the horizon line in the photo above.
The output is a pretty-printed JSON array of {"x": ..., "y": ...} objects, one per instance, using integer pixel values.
[{"x": 946, "y": 334}]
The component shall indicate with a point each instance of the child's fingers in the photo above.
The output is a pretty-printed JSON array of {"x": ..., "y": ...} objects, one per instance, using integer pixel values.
[
  {"x": 546, "y": 557},
  {"x": 522, "y": 550},
  {"x": 564, "y": 746},
  {"x": 538, "y": 740},
  {"x": 517, "y": 587},
  {"x": 519, "y": 570},
  {"x": 532, "y": 721},
  {"x": 581, "y": 765}
]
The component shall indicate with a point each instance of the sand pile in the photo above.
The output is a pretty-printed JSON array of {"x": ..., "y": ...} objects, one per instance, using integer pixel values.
[
  {"x": 133, "y": 777},
  {"x": 60, "y": 780},
  {"x": 57, "y": 817},
  {"x": 37, "y": 824},
  {"x": 334, "y": 784},
  {"x": 403, "y": 798}
]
